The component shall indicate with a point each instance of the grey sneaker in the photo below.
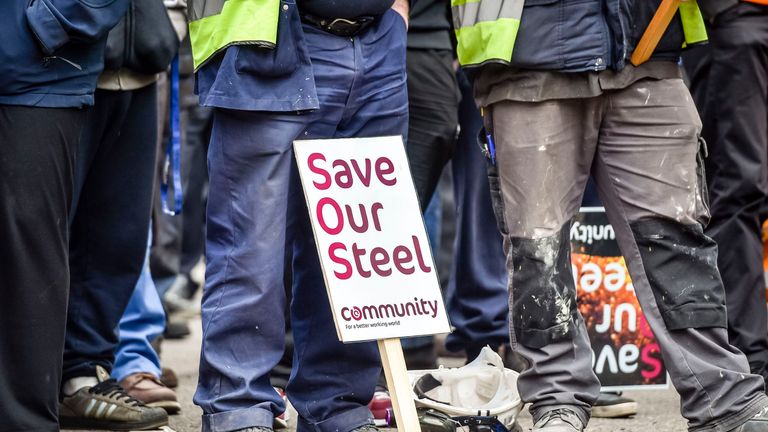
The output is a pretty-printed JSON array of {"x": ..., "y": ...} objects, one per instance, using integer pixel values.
[
  {"x": 758, "y": 423},
  {"x": 559, "y": 420},
  {"x": 107, "y": 406}
]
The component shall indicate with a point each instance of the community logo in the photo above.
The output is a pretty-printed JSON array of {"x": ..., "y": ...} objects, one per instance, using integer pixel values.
[{"x": 415, "y": 308}]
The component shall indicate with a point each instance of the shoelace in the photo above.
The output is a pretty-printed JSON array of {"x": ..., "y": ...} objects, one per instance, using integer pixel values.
[
  {"x": 112, "y": 390},
  {"x": 562, "y": 414}
]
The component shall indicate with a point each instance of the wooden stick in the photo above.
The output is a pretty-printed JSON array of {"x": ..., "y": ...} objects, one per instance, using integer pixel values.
[
  {"x": 652, "y": 35},
  {"x": 399, "y": 385}
]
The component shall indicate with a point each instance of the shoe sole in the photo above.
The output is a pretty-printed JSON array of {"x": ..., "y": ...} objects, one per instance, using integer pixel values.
[
  {"x": 170, "y": 407},
  {"x": 86, "y": 423},
  {"x": 626, "y": 409}
]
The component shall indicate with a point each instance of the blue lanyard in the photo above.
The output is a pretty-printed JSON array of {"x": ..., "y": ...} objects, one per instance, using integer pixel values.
[{"x": 173, "y": 150}]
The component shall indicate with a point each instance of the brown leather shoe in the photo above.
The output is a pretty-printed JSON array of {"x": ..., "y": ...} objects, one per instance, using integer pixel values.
[
  {"x": 169, "y": 378},
  {"x": 151, "y": 391}
]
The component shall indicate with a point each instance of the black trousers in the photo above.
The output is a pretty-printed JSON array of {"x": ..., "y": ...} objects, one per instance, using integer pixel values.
[
  {"x": 729, "y": 81},
  {"x": 113, "y": 198},
  {"x": 433, "y": 103},
  {"x": 37, "y": 147}
]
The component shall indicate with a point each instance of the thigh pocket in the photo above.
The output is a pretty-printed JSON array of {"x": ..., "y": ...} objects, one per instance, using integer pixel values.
[
  {"x": 281, "y": 60},
  {"x": 702, "y": 191},
  {"x": 497, "y": 199}
]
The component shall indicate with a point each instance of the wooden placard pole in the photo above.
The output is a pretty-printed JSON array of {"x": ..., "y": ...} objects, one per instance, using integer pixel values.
[
  {"x": 652, "y": 35},
  {"x": 393, "y": 362}
]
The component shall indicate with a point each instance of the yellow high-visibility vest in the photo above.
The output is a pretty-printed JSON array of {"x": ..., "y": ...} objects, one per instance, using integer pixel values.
[
  {"x": 486, "y": 30},
  {"x": 216, "y": 24}
]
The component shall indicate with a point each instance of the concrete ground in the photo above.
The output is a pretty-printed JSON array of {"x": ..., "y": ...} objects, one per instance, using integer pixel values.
[{"x": 659, "y": 409}]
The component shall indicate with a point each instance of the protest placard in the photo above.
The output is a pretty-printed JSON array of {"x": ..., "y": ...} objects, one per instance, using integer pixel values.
[
  {"x": 374, "y": 251},
  {"x": 626, "y": 354}
]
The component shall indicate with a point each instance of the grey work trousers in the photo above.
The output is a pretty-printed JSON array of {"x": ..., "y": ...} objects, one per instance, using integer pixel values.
[{"x": 641, "y": 145}]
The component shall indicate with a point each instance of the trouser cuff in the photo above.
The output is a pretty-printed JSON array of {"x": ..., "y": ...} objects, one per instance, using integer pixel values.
[
  {"x": 344, "y": 422},
  {"x": 239, "y": 419},
  {"x": 736, "y": 419}
]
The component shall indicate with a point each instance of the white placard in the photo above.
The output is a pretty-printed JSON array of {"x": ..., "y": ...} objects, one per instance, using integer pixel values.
[{"x": 373, "y": 248}]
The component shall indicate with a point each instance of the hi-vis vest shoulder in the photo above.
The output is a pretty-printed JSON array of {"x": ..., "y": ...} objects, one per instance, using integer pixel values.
[
  {"x": 216, "y": 24},
  {"x": 486, "y": 30}
]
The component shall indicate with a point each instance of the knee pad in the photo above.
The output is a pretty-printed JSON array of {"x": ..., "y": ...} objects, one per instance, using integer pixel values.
[
  {"x": 680, "y": 262},
  {"x": 543, "y": 293}
]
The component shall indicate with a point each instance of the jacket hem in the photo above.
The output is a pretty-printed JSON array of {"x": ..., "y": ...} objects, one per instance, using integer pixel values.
[
  {"x": 245, "y": 104},
  {"x": 48, "y": 100}
]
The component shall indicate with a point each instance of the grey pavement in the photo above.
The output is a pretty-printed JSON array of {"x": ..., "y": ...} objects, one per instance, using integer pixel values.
[{"x": 659, "y": 409}]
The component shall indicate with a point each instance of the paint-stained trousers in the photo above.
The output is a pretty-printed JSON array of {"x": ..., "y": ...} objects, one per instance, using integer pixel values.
[
  {"x": 641, "y": 145},
  {"x": 256, "y": 210}
]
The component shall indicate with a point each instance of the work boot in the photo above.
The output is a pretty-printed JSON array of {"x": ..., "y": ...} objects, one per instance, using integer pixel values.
[
  {"x": 107, "y": 406},
  {"x": 613, "y": 405},
  {"x": 559, "y": 420},
  {"x": 151, "y": 391},
  {"x": 758, "y": 423}
]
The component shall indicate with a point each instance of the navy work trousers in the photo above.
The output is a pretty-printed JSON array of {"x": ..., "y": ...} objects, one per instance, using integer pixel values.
[
  {"x": 256, "y": 211},
  {"x": 477, "y": 290},
  {"x": 109, "y": 223}
]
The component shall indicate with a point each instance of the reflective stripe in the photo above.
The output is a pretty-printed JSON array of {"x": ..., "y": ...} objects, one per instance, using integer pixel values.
[
  {"x": 473, "y": 12},
  {"x": 486, "y": 29},
  {"x": 693, "y": 23},
  {"x": 238, "y": 22},
  {"x": 461, "y": 2},
  {"x": 204, "y": 8},
  {"x": 112, "y": 408}
]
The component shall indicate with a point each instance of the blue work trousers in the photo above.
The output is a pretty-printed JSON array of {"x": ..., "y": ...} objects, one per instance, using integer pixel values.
[
  {"x": 256, "y": 210},
  {"x": 142, "y": 322},
  {"x": 477, "y": 289}
]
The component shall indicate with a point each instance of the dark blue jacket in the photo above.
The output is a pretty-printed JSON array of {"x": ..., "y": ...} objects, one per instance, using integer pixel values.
[
  {"x": 52, "y": 51},
  {"x": 588, "y": 35}
]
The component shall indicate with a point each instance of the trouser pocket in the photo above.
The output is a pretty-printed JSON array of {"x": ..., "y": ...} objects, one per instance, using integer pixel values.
[
  {"x": 702, "y": 191},
  {"x": 497, "y": 199}
]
